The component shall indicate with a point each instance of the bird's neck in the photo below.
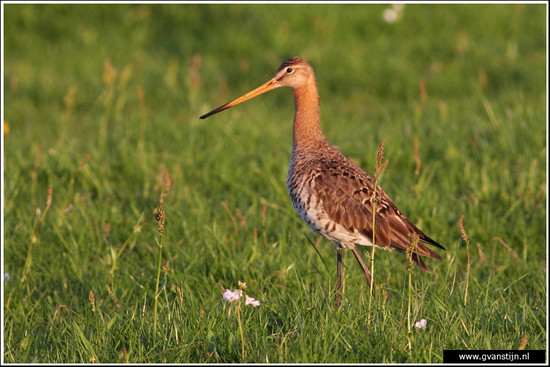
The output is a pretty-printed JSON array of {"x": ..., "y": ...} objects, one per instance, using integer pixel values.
[{"x": 307, "y": 129}]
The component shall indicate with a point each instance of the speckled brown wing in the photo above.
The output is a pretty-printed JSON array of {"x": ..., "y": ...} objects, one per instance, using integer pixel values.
[{"x": 346, "y": 193}]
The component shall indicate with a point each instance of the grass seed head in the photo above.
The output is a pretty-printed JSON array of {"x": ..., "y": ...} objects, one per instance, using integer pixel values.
[
  {"x": 91, "y": 297},
  {"x": 161, "y": 217}
]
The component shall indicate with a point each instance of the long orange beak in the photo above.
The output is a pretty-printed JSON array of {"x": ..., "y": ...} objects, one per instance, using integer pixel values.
[{"x": 272, "y": 84}]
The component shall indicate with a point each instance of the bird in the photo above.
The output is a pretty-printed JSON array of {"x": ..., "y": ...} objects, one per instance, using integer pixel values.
[{"x": 332, "y": 195}]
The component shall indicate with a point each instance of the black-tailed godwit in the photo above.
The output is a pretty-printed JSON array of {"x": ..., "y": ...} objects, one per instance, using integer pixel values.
[{"x": 329, "y": 192}]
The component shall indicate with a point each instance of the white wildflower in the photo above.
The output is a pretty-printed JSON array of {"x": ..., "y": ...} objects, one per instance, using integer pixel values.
[
  {"x": 390, "y": 15},
  {"x": 421, "y": 324},
  {"x": 232, "y": 295},
  {"x": 251, "y": 301},
  {"x": 236, "y": 294},
  {"x": 394, "y": 13}
]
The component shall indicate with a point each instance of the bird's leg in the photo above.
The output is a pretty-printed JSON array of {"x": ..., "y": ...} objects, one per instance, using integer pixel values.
[
  {"x": 365, "y": 269},
  {"x": 339, "y": 272}
]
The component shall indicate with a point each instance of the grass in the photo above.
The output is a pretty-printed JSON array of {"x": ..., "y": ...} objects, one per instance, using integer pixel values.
[{"x": 101, "y": 101}]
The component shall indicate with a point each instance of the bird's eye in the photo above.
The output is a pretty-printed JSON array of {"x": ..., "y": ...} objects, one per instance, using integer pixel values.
[{"x": 289, "y": 70}]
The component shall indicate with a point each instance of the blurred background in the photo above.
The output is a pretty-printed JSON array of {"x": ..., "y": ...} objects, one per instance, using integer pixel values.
[{"x": 193, "y": 57}]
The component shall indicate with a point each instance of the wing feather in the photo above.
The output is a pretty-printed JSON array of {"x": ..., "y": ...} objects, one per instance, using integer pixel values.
[{"x": 346, "y": 196}]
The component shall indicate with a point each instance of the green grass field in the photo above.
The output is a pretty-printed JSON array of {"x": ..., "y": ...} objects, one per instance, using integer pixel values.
[{"x": 102, "y": 101}]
